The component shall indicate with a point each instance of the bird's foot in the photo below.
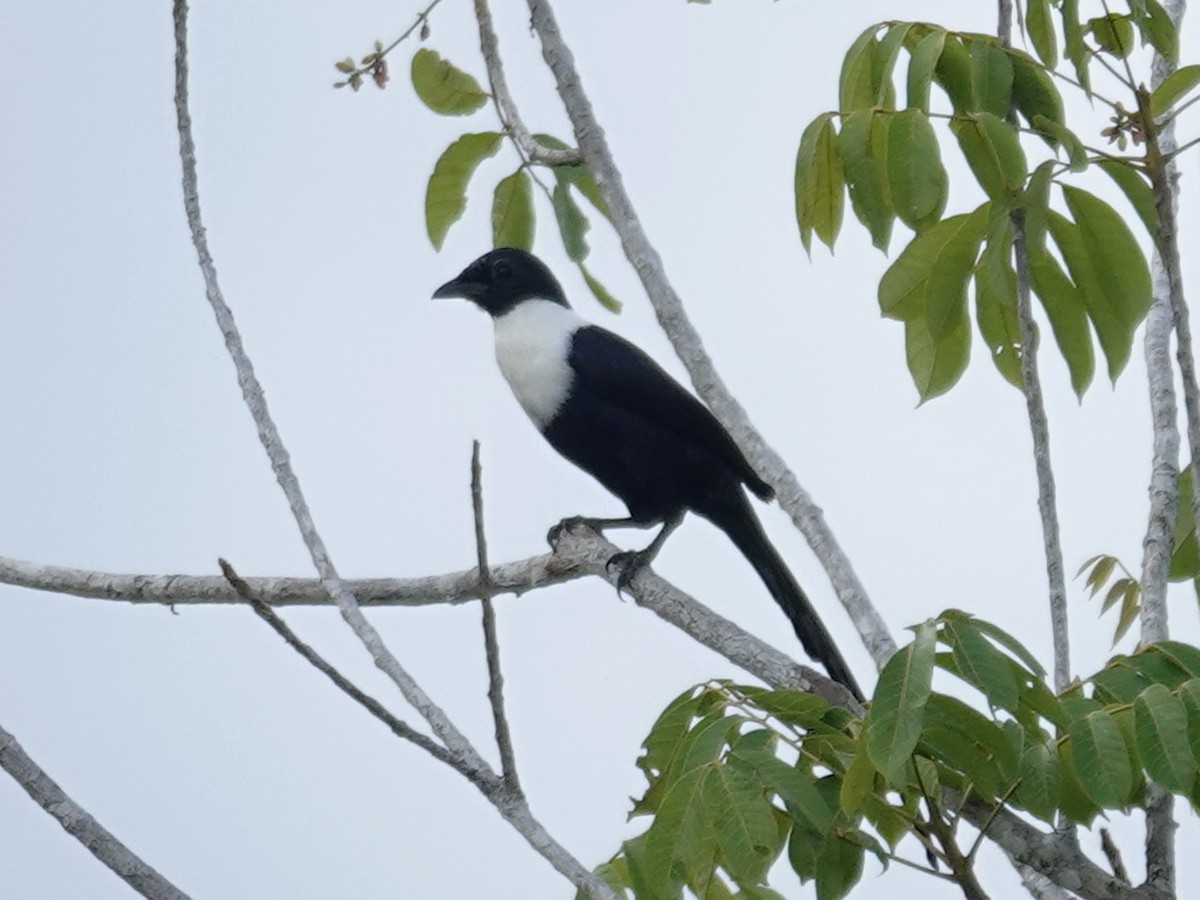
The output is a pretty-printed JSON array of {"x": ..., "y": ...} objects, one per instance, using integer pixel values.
[
  {"x": 628, "y": 563},
  {"x": 570, "y": 523}
]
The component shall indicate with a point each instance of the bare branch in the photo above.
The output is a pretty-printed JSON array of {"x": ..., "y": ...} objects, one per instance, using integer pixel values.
[
  {"x": 668, "y": 307},
  {"x": 1056, "y": 856},
  {"x": 1158, "y": 544},
  {"x": 1039, "y": 427},
  {"x": 398, "y": 727},
  {"x": 507, "y": 107},
  {"x": 1113, "y": 854},
  {"x": 80, "y": 825},
  {"x": 268, "y": 434},
  {"x": 508, "y": 760},
  {"x": 705, "y": 626},
  {"x": 182, "y": 590}
]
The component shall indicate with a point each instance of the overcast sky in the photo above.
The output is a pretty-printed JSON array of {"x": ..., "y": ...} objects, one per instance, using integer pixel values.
[{"x": 199, "y": 738}]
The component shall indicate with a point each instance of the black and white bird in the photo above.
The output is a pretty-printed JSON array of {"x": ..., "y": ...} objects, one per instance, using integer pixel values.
[{"x": 610, "y": 409}]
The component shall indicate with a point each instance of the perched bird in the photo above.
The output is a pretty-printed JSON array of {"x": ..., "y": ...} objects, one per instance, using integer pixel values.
[{"x": 610, "y": 409}]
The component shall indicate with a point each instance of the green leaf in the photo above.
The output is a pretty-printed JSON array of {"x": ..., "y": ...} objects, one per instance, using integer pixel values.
[
  {"x": 982, "y": 665},
  {"x": 1173, "y": 87},
  {"x": 916, "y": 178},
  {"x": 1185, "y": 564},
  {"x": 578, "y": 176},
  {"x": 1189, "y": 693},
  {"x": 897, "y": 711},
  {"x": 1157, "y": 28},
  {"x": 1074, "y": 802},
  {"x": 925, "y": 56},
  {"x": 599, "y": 291},
  {"x": 1113, "y": 33},
  {"x": 1137, "y": 190},
  {"x": 856, "y": 86},
  {"x": 792, "y": 707},
  {"x": 1065, "y": 308},
  {"x": 1039, "y": 779},
  {"x": 953, "y": 73},
  {"x": 444, "y": 88},
  {"x": 806, "y": 180},
  {"x": 446, "y": 193},
  {"x": 1101, "y": 760},
  {"x": 794, "y": 787},
  {"x": 1077, "y": 50},
  {"x": 884, "y": 64},
  {"x": 742, "y": 821},
  {"x": 1041, "y": 31},
  {"x": 857, "y": 784},
  {"x": 839, "y": 867},
  {"x": 827, "y": 186},
  {"x": 906, "y": 286},
  {"x": 946, "y": 292},
  {"x": 866, "y": 175},
  {"x": 991, "y": 78},
  {"x": 1034, "y": 92},
  {"x": 1009, "y": 643},
  {"x": 572, "y": 223},
  {"x": 987, "y": 756},
  {"x": 512, "y": 212},
  {"x": 994, "y": 154},
  {"x": 1160, "y": 722},
  {"x": 996, "y": 307},
  {"x": 1064, "y": 137},
  {"x": 680, "y": 831},
  {"x": 664, "y": 747},
  {"x": 1111, "y": 271},
  {"x": 1185, "y": 656}
]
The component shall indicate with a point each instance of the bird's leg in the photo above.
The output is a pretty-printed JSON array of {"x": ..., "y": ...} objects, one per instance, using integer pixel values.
[
  {"x": 630, "y": 562},
  {"x": 572, "y": 522}
]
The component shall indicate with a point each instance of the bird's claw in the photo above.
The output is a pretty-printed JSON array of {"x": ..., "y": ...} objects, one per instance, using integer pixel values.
[
  {"x": 629, "y": 562},
  {"x": 570, "y": 523}
]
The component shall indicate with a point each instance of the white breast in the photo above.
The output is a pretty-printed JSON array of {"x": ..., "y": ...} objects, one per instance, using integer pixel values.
[{"x": 533, "y": 340}]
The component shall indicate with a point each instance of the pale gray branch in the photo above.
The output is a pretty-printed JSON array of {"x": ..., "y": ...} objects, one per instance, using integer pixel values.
[
  {"x": 513, "y": 123},
  {"x": 668, "y": 307},
  {"x": 491, "y": 643},
  {"x": 268, "y": 434},
  {"x": 1168, "y": 294},
  {"x": 80, "y": 825},
  {"x": 185, "y": 590},
  {"x": 1056, "y": 856}
]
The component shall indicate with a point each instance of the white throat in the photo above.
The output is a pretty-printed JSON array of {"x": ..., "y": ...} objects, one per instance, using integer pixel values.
[{"x": 533, "y": 341}]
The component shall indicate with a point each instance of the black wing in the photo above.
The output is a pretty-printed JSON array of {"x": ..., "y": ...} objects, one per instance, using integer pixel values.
[{"x": 616, "y": 370}]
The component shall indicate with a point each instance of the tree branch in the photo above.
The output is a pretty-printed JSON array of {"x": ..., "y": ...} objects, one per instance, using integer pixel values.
[
  {"x": 668, "y": 307},
  {"x": 512, "y": 807},
  {"x": 453, "y": 588},
  {"x": 398, "y": 727},
  {"x": 508, "y": 760},
  {"x": 1039, "y": 427},
  {"x": 80, "y": 825},
  {"x": 1158, "y": 544},
  {"x": 1053, "y": 855},
  {"x": 507, "y": 107}
]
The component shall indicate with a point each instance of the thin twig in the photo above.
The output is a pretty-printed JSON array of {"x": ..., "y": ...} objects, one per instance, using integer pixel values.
[
  {"x": 668, "y": 308},
  {"x": 1038, "y": 425},
  {"x": 1174, "y": 154},
  {"x": 127, "y": 865},
  {"x": 1113, "y": 854},
  {"x": 508, "y": 760},
  {"x": 422, "y": 18},
  {"x": 399, "y": 727}
]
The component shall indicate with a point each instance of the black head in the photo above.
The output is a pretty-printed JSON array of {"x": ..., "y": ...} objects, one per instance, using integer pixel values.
[{"x": 501, "y": 279}]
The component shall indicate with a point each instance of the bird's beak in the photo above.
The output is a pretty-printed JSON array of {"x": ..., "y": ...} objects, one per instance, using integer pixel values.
[{"x": 457, "y": 287}]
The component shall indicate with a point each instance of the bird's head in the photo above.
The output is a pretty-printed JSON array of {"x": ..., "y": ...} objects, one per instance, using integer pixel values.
[{"x": 499, "y": 280}]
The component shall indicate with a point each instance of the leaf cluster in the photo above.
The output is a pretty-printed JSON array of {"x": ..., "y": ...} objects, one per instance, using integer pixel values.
[
  {"x": 449, "y": 91},
  {"x": 1003, "y": 109},
  {"x": 740, "y": 777}
]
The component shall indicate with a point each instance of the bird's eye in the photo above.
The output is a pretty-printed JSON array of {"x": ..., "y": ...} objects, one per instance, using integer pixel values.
[{"x": 502, "y": 272}]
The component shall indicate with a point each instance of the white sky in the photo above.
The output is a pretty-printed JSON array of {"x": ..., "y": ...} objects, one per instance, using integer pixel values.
[{"x": 199, "y": 738}]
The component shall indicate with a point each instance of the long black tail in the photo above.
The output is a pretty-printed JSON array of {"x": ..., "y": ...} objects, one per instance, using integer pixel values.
[{"x": 739, "y": 522}]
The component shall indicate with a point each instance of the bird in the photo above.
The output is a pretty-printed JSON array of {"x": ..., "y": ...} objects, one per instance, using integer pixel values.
[{"x": 607, "y": 407}]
